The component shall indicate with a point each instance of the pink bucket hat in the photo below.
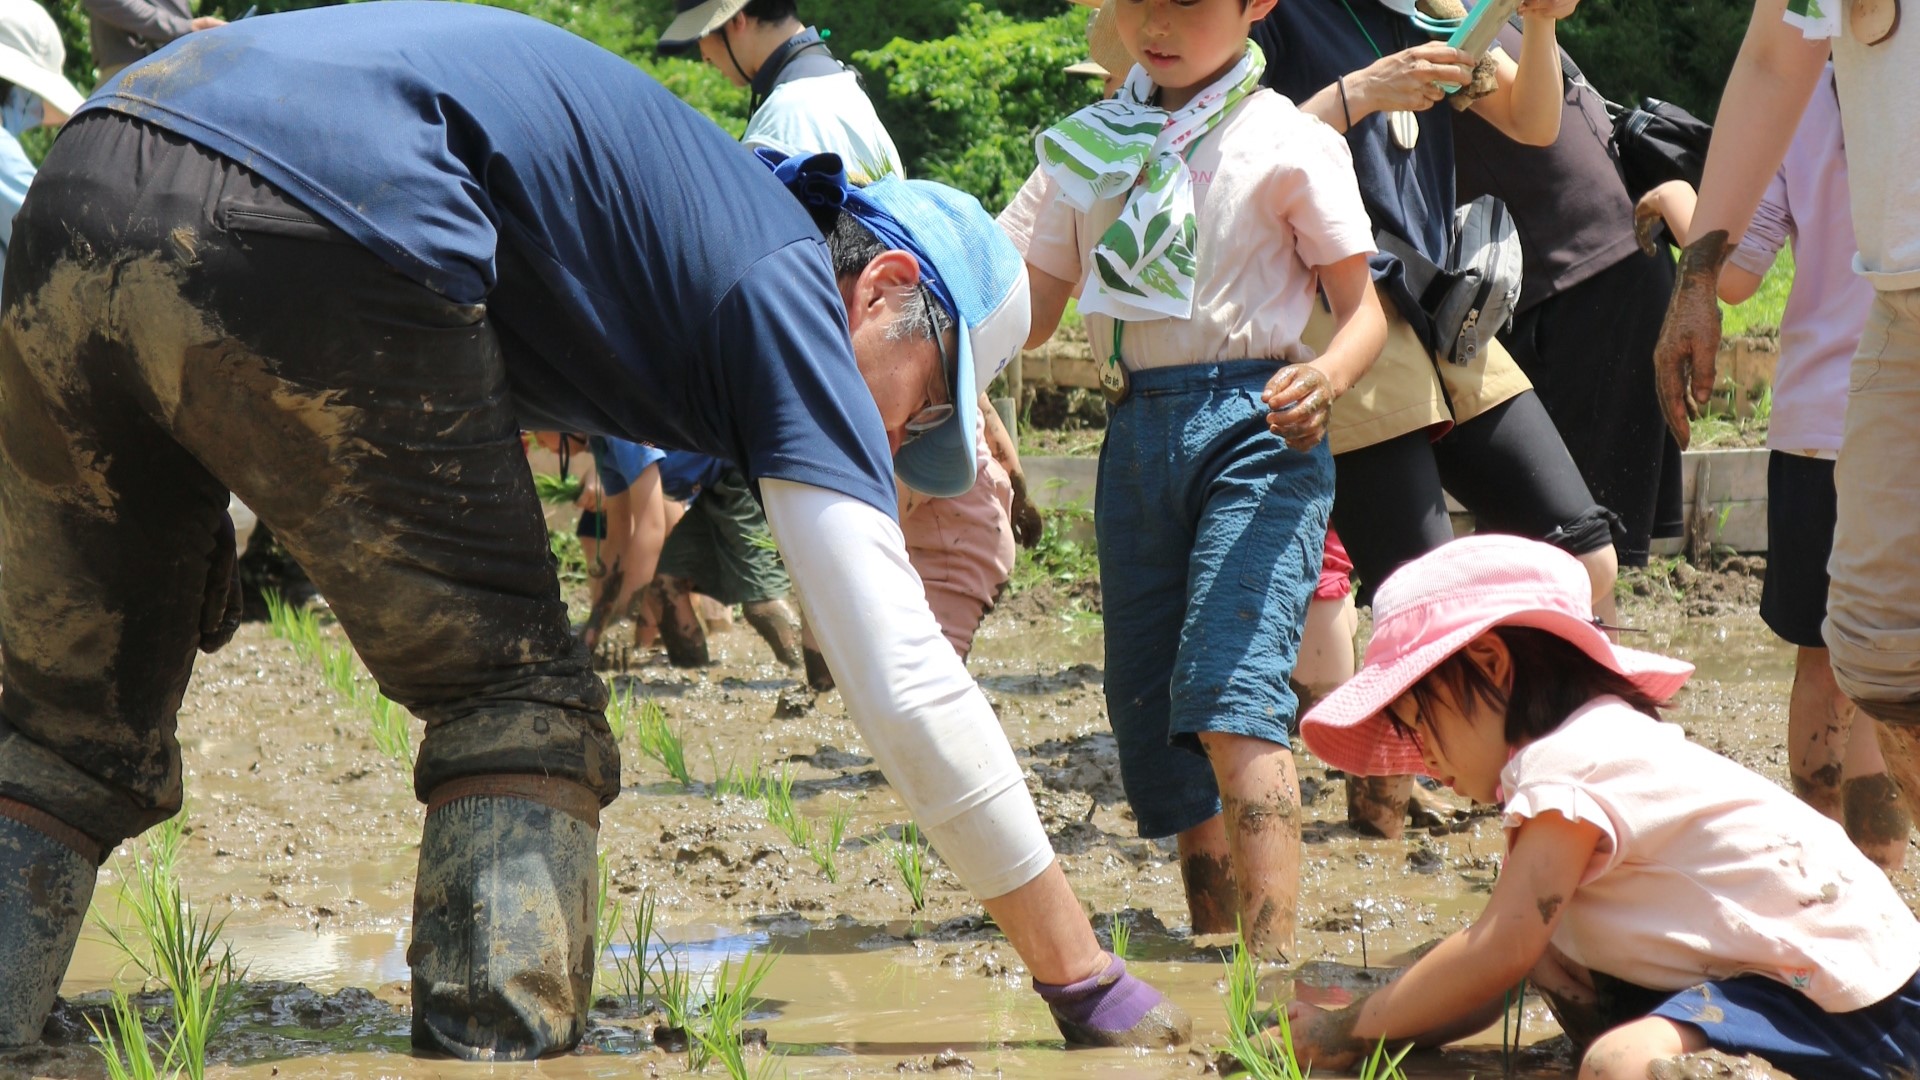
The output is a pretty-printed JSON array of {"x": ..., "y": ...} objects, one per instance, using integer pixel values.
[{"x": 1431, "y": 608}]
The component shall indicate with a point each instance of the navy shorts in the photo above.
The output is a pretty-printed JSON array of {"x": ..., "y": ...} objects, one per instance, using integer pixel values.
[
  {"x": 1801, "y": 512},
  {"x": 1758, "y": 1015},
  {"x": 1210, "y": 535}
]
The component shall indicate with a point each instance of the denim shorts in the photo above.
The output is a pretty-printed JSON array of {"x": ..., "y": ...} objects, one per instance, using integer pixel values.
[
  {"x": 1758, "y": 1015},
  {"x": 1210, "y": 533}
]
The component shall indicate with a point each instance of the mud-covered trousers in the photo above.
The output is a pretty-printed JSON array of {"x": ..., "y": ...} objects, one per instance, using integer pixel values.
[{"x": 175, "y": 328}]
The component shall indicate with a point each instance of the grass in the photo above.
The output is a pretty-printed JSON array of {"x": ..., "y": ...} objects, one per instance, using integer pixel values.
[
  {"x": 172, "y": 944},
  {"x": 1760, "y": 313},
  {"x": 660, "y": 742},
  {"x": 909, "y": 857},
  {"x": 1058, "y": 557}
]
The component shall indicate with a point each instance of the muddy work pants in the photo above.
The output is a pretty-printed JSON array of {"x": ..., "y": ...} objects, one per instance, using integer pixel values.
[{"x": 174, "y": 328}]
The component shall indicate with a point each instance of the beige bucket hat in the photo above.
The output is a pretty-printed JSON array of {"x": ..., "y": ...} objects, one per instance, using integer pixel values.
[
  {"x": 1105, "y": 53},
  {"x": 31, "y": 54},
  {"x": 695, "y": 19}
]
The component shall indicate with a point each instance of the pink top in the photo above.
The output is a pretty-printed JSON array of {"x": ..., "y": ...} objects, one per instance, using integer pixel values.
[
  {"x": 1274, "y": 197},
  {"x": 1807, "y": 203},
  {"x": 962, "y": 547},
  {"x": 1707, "y": 870}
]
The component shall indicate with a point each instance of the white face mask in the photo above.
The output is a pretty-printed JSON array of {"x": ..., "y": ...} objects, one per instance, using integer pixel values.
[{"x": 21, "y": 112}]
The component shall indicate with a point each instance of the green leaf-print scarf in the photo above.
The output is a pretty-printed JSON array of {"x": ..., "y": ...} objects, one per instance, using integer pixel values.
[{"x": 1143, "y": 265}]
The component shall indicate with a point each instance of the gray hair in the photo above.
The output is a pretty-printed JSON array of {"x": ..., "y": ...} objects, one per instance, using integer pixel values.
[{"x": 852, "y": 246}]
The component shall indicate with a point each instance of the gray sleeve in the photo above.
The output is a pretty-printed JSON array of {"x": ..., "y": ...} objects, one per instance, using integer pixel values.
[{"x": 158, "y": 21}]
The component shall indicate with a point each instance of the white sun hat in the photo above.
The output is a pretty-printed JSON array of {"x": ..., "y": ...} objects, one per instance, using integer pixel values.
[{"x": 31, "y": 54}]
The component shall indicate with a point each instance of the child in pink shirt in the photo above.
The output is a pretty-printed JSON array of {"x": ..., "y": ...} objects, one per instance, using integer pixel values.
[{"x": 1664, "y": 898}]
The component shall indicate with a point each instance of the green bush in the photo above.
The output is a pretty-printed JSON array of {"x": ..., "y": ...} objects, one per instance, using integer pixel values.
[{"x": 964, "y": 109}]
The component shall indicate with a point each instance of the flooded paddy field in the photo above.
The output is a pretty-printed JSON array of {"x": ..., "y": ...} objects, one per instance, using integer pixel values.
[{"x": 305, "y": 835}]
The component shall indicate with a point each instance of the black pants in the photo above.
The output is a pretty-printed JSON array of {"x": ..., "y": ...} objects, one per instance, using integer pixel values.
[
  {"x": 174, "y": 329},
  {"x": 1506, "y": 466},
  {"x": 1589, "y": 353}
]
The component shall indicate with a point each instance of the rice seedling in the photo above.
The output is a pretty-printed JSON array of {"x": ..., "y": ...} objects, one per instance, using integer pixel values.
[
  {"x": 606, "y": 916},
  {"x": 123, "y": 1045},
  {"x": 734, "y": 990},
  {"x": 660, "y": 742},
  {"x": 392, "y": 729},
  {"x": 337, "y": 671},
  {"x": 777, "y": 794},
  {"x": 620, "y": 713},
  {"x": 672, "y": 987},
  {"x": 181, "y": 950},
  {"x": 910, "y": 858},
  {"x": 1120, "y": 930},
  {"x": 734, "y": 780},
  {"x": 631, "y": 970},
  {"x": 824, "y": 849},
  {"x": 1268, "y": 1053}
]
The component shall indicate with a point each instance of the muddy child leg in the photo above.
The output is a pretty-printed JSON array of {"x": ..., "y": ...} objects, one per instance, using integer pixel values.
[
  {"x": 680, "y": 628},
  {"x": 1261, "y": 798}
]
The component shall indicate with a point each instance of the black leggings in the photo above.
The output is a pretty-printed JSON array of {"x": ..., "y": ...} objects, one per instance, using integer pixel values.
[{"x": 1507, "y": 466}]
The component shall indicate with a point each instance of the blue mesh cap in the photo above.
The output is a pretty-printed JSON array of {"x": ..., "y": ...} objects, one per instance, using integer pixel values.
[{"x": 978, "y": 276}]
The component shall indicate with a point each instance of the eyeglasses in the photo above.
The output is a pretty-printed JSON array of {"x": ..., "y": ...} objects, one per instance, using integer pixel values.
[{"x": 933, "y": 415}]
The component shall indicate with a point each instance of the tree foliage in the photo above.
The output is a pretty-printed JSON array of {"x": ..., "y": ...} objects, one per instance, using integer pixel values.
[
  {"x": 964, "y": 86},
  {"x": 964, "y": 109}
]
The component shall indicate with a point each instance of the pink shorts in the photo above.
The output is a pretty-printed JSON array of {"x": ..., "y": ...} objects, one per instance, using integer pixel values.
[
  {"x": 963, "y": 550},
  {"x": 1336, "y": 570}
]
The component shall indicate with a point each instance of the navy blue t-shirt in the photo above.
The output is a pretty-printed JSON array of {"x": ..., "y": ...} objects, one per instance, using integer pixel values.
[
  {"x": 646, "y": 276},
  {"x": 683, "y": 473},
  {"x": 1408, "y": 193}
]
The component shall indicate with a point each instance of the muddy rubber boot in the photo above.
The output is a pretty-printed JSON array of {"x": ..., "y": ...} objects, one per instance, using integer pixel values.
[
  {"x": 502, "y": 950},
  {"x": 680, "y": 628},
  {"x": 45, "y": 887},
  {"x": 819, "y": 676},
  {"x": 1115, "y": 1008},
  {"x": 777, "y": 626}
]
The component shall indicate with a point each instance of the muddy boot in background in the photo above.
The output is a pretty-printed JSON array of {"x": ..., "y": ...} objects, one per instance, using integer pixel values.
[
  {"x": 502, "y": 949},
  {"x": 819, "y": 676},
  {"x": 45, "y": 886},
  {"x": 778, "y": 627},
  {"x": 680, "y": 627}
]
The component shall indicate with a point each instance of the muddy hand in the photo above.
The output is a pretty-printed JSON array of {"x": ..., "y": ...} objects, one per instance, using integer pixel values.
[
  {"x": 1301, "y": 399},
  {"x": 1028, "y": 522},
  {"x": 1322, "y": 1039},
  {"x": 1647, "y": 222},
  {"x": 1690, "y": 336}
]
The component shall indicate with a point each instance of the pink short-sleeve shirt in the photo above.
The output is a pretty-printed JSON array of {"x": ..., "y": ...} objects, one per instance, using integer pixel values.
[
  {"x": 1707, "y": 870},
  {"x": 1274, "y": 197}
]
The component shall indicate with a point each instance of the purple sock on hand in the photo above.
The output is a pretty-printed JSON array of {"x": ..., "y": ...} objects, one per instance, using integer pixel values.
[{"x": 1111, "y": 1003}]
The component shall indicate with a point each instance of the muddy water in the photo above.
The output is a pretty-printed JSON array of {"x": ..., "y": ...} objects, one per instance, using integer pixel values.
[{"x": 308, "y": 837}]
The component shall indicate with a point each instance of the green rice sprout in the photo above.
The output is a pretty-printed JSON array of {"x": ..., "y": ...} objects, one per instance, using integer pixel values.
[
  {"x": 824, "y": 848},
  {"x": 606, "y": 916},
  {"x": 620, "y": 713},
  {"x": 1120, "y": 930},
  {"x": 910, "y": 858},
  {"x": 181, "y": 950},
  {"x": 748, "y": 783},
  {"x": 734, "y": 993},
  {"x": 122, "y": 1042},
  {"x": 777, "y": 794},
  {"x": 392, "y": 729},
  {"x": 631, "y": 970},
  {"x": 553, "y": 488},
  {"x": 660, "y": 742},
  {"x": 672, "y": 988},
  {"x": 1268, "y": 1053}
]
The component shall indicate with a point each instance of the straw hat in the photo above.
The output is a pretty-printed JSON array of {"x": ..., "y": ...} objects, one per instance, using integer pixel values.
[
  {"x": 1431, "y": 608},
  {"x": 1105, "y": 52},
  {"x": 31, "y": 54}
]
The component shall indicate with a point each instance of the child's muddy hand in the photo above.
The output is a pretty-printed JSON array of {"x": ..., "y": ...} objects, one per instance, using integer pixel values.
[
  {"x": 1028, "y": 523},
  {"x": 1690, "y": 337},
  {"x": 1324, "y": 1040},
  {"x": 1301, "y": 399}
]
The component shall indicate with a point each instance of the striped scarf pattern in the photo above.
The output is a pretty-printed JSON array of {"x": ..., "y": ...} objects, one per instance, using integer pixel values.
[{"x": 1143, "y": 265}]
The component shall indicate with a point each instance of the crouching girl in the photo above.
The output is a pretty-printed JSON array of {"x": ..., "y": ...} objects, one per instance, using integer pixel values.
[{"x": 1664, "y": 898}]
